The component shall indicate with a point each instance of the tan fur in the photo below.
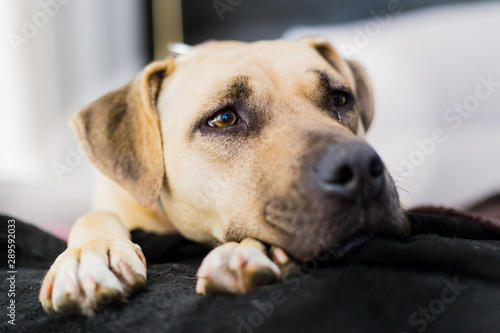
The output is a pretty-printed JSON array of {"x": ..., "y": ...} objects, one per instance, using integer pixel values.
[
  {"x": 201, "y": 205},
  {"x": 121, "y": 135},
  {"x": 215, "y": 189},
  {"x": 195, "y": 214}
]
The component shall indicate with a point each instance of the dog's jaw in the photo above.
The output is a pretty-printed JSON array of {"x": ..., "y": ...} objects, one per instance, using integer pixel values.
[{"x": 305, "y": 225}]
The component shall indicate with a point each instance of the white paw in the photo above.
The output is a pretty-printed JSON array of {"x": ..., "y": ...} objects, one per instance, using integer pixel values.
[
  {"x": 235, "y": 268},
  {"x": 83, "y": 280}
]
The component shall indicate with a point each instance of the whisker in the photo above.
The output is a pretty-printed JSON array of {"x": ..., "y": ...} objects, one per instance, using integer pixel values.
[
  {"x": 411, "y": 195},
  {"x": 400, "y": 182}
]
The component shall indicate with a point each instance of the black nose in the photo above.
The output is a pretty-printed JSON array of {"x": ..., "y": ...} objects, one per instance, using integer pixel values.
[{"x": 350, "y": 170}]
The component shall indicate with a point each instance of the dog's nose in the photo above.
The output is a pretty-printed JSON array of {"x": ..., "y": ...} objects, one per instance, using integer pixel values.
[{"x": 351, "y": 169}]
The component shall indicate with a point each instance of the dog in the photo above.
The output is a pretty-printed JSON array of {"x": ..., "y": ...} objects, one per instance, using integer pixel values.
[{"x": 255, "y": 148}]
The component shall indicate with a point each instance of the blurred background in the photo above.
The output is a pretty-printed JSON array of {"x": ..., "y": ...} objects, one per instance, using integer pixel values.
[{"x": 435, "y": 66}]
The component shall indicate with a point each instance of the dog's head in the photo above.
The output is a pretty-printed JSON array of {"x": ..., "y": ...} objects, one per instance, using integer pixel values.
[{"x": 260, "y": 140}]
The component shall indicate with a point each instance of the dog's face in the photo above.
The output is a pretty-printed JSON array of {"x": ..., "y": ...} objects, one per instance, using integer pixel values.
[{"x": 257, "y": 140}]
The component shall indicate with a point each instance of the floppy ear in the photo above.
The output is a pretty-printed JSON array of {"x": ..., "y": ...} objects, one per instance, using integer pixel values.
[
  {"x": 120, "y": 133},
  {"x": 352, "y": 71},
  {"x": 364, "y": 93}
]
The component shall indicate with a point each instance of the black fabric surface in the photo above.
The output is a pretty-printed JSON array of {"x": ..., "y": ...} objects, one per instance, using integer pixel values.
[{"x": 444, "y": 278}]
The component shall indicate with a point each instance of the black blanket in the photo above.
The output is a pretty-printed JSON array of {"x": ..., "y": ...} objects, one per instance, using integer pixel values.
[{"x": 444, "y": 278}]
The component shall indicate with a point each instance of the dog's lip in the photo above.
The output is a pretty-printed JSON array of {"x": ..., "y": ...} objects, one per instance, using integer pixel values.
[
  {"x": 339, "y": 250},
  {"x": 327, "y": 253},
  {"x": 335, "y": 251}
]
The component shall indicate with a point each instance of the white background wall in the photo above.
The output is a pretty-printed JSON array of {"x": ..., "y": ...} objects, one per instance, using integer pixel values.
[{"x": 79, "y": 51}]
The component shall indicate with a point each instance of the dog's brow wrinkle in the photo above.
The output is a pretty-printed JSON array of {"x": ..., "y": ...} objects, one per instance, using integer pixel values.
[
  {"x": 325, "y": 86},
  {"x": 324, "y": 78},
  {"x": 239, "y": 88}
]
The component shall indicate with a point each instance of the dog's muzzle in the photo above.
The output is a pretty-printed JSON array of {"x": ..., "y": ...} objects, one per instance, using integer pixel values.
[{"x": 343, "y": 193}]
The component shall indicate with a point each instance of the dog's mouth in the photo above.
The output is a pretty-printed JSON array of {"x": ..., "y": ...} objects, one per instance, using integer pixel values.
[
  {"x": 308, "y": 223},
  {"x": 332, "y": 251},
  {"x": 329, "y": 233},
  {"x": 337, "y": 251}
]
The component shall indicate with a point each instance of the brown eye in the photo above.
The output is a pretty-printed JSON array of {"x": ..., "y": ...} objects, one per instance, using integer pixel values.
[
  {"x": 223, "y": 118},
  {"x": 339, "y": 98}
]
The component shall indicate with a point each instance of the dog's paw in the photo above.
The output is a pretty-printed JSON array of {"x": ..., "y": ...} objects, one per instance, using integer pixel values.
[
  {"x": 235, "y": 268},
  {"x": 84, "y": 279}
]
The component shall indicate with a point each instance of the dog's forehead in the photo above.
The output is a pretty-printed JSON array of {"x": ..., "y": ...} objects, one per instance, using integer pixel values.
[
  {"x": 273, "y": 70},
  {"x": 281, "y": 57},
  {"x": 211, "y": 67}
]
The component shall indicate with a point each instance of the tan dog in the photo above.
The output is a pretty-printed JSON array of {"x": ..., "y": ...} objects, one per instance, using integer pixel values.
[{"x": 246, "y": 145}]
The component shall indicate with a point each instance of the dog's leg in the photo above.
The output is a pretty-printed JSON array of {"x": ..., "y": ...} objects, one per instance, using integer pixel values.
[
  {"x": 240, "y": 267},
  {"x": 100, "y": 266}
]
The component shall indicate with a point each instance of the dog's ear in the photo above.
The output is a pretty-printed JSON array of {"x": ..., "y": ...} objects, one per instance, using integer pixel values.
[
  {"x": 120, "y": 133},
  {"x": 364, "y": 93},
  {"x": 352, "y": 71}
]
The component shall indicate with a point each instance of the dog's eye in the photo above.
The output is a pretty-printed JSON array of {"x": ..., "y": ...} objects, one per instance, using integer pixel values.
[
  {"x": 223, "y": 118},
  {"x": 339, "y": 98}
]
